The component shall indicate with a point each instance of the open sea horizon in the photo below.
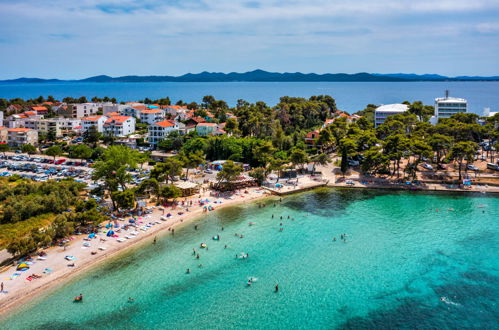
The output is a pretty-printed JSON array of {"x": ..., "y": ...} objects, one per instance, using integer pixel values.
[
  {"x": 425, "y": 260},
  {"x": 349, "y": 96}
]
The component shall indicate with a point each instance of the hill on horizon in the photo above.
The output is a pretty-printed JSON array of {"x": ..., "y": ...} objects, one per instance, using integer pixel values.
[{"x": 265, "y": 76}]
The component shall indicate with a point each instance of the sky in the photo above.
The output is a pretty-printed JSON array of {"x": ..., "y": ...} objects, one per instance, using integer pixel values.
[{"x": 77, "y": 39}]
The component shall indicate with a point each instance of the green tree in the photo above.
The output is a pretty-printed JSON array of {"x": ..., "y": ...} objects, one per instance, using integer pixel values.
[
  {"x": 462, "y": 151},
  {"x": 394, "y": 147},
  {"x": 259, "y": 174},
  {"x": 80, "y": 151},
  {"x": 91, "y": 136},
  {"x": 229, "y": 173},
  {"x": 125, "y": 200},
  {"x": 298, "y": 157},
  {"x": 192, "y": 160},
  {"x": 347, "y": 148},
  {"x": 440, "y": 144},
  {"x": 22, "y": 246},
  {"x": 4, "y": 147},
  {"x": 321, "y": 159},
  {"x": 170, "y": 192},
  {"x": 167, "y": 170},
  {"x": 51, "y": 136},
  {"x": 374, "y": 161},
  {"x": 231, "y": 126},
  {"x": 54, "y": 151},
  {"x": 113, "y": 166},
  {"x": 29, "y": 149}
]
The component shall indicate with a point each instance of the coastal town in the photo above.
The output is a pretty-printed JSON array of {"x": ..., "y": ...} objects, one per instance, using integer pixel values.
[{"x": 143, "y": 167}]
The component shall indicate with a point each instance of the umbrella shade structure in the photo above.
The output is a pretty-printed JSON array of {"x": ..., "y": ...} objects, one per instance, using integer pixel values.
[{"x": 22, "y": 267}]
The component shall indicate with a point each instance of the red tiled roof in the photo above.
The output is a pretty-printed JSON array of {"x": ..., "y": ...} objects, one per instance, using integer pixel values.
[
  {"x": 139, "y": 107},
  {"x": 151, "y": 111},
  {"x": 113, "y": 114},
  {"x": 117, "y": 119},
  {"x": 198, "y": 119},
  {"x": 19, "y": 129},
  {"x": 39, "y": 108},
  {"x": 165, "y": 123},
  {"x": 91, "y": 118}
]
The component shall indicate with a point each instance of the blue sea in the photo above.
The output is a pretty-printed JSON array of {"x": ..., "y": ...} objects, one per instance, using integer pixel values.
[
  {"x": 411, "y": 260},
  {"x": 350, "y": 96}
]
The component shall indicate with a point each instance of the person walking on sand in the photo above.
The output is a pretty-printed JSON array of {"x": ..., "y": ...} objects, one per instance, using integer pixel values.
[{"x": 1, "y": 287}]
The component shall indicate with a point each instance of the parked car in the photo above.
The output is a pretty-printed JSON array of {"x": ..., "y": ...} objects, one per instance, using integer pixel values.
[
  {"x": 472, "y": 167},
  {"x": 442, "y": 166},
  {"x": 352, "y": 162},
  {"x": 427, "y": 166},
  {"x": 492, "y": 166}
]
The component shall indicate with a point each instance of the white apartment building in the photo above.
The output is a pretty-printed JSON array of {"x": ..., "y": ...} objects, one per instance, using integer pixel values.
[
  {"x": 97, "y": 121},
  {"x": 84, "y": 109},
  {"x": 384, "y": 111},
  {"x": 119, "y": 126},
  {"x": 158, "y": 131},
  {"x": 448, "y": 106},
  {"x": 151, "y": 116}
]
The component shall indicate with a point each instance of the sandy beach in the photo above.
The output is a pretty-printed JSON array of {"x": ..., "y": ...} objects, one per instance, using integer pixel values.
[{"x": 54, "y": 268}]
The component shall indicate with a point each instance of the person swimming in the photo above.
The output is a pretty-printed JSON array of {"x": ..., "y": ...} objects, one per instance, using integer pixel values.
[
  {"x": 188, "y": 271},
  {"x": 276, "y": 288},
  {"x": 130, "y": 299}
]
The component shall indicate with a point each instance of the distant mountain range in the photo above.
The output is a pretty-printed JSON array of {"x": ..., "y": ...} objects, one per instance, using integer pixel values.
[{"x": 264, "y": 76}]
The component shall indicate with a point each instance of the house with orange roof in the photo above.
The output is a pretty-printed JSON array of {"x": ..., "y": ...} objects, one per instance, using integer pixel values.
[
  {"x": 174, "y": 110},
  {"x": 311, "y": 137},
  {"x": 119, "y": 125},
  {"x": 151, "y": 116},
  {"x": 96, "y": 121},
  {"x": 17, "y": 137},
  {"x": 159, "y": 130},
  {"x": 40, "y": 110}
]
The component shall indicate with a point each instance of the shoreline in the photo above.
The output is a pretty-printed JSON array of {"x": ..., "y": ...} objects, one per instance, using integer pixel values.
[
  {"x": 24, "y": 290},
  {"x": 50, "y": 282}
]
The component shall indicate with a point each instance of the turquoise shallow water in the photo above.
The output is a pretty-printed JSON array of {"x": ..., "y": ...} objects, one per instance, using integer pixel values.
[{"x": 401, "y": 256}]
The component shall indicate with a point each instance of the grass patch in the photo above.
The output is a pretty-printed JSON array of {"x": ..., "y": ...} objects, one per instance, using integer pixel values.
[{"x": 11, "y": 231}]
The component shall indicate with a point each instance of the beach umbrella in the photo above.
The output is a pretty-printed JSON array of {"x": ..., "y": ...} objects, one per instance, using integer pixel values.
[{"x": 22, "y": 267}]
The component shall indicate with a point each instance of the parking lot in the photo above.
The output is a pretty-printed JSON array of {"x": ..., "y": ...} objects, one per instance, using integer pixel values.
[{"x": 42, "y": 169}]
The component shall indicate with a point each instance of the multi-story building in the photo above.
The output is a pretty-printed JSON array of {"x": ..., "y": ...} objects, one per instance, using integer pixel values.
[
  {"x": 448, "y": 106},
  {"x": 20, "y": 136},
  {"x": 386, "y": 110},
  {"x": 151, "y": 116},
  {"x": 81, "y": 110},
  {"x": 93, "y": 121},
  {"x": 206, "y": 128},
  {"x": 158, "y": 131},
  {"x": 119, "y": 126}
]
